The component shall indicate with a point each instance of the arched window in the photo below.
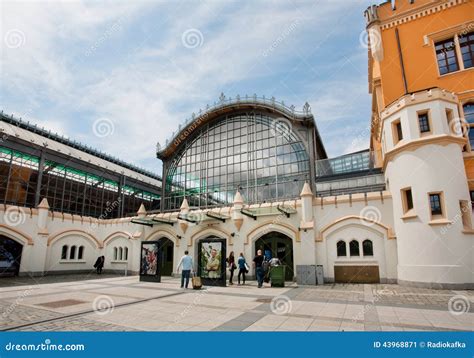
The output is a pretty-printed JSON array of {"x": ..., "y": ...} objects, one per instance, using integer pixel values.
[
  {"x": 120, "y": 253},
  {"x": 354, "y": 248},
  {"x": 64, "y": 252},
  {"x": 125, "y": 254},
  {"x": 72, "y": 253},
  {"x": 115, "y": 253},
  {"x": 229, "y": 142},
  {"x": 367, "y": 248},
  {"x": 80, "y": 253},
  {"x": 341, "y": 248}
]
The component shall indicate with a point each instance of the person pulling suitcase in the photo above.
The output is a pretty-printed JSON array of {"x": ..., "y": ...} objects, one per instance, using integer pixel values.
[{"x": 187, "y": 263}]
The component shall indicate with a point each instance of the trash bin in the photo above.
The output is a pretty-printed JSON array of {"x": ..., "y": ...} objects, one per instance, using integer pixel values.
[{"x": 277, "y": 276}]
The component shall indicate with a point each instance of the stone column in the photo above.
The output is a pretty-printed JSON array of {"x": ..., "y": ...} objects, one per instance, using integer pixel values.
[
  {"x": 184, "y": 210},
  {"x": 38, "y": 263},
  {"x": 238, "y": 219},
  {"x": 136, "y": 242},
  {"x": 307, "y": 254}
]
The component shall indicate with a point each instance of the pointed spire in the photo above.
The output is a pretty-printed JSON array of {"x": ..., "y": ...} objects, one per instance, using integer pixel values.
[
  {"x": 44, "y": 204},
  {"x": 141, "y": 211},
  {"x": 184, "y": 205},
  {"x": 306, "y": 190},
  {"x": 238, "y": 198}
]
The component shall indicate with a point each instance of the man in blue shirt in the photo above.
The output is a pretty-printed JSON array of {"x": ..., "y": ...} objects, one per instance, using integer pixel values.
[{"x": 187, "y": 263}]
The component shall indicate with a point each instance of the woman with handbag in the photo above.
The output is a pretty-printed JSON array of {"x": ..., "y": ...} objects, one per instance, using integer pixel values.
[
  {"x": 231, "y": 262},
  {"x": 243, "y": 268}
]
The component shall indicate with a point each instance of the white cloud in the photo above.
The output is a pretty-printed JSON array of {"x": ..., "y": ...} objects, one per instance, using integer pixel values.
[{"x": 149, "y": 85}]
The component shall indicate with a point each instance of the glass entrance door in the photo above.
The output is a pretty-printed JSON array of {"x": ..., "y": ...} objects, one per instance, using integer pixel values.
[
  {"x": 10, "y": 256},
  {"x": 275, "y": 244},
  {"x": 167, "y": 251}
]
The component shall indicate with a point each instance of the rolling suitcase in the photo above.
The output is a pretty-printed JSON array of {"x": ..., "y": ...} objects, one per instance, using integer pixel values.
[{"x": 196, "y": 281}]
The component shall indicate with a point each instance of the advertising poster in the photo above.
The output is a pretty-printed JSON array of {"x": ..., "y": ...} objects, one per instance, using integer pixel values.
[
  {"x": 149, "y": 268},
  {"x": 212, "y": 268}
]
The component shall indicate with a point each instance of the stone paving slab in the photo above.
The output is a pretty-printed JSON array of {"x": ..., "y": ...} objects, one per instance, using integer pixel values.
[
  {"x": 147, "y": 306},
  {"x": 76, "y": 324}
]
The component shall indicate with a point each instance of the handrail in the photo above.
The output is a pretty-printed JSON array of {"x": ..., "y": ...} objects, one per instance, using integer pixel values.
[{"x": 228, "y": 101}]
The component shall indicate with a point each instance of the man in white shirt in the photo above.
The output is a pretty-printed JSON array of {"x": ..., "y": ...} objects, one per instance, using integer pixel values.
[{"x": 187, "y": 263}]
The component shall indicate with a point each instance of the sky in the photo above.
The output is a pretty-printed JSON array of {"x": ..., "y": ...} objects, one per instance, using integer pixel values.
[{"x": 122, "y": 75}]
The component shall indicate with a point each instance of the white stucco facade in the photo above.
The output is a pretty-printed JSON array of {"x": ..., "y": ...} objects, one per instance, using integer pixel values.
[{"x": 410, "y": 247}]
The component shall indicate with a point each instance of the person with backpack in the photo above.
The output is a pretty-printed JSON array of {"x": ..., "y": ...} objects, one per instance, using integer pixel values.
[
  {"x": 99, "y": 264},
  {"x": 242, "y": 264}
]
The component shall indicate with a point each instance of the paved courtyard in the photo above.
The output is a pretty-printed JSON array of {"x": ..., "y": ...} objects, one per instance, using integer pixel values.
[{"x": 126, "y": 304}]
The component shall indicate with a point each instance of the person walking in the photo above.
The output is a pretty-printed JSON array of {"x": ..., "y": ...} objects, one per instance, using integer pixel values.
[
  {"x": 259, "y": 272},
  {"x": 187, "y": 265},
  {"x": 231, "y": 263},
  {"x": 99, "y": 264},
  {"x": 242, "y": 268}
]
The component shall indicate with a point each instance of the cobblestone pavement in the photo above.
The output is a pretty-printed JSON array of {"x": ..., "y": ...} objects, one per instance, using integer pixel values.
[{"x": 126, "y": 304}]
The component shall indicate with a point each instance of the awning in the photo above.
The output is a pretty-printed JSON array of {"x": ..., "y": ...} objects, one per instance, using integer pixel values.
[
  {"x": 255, "y": 211},
  {"x": 195, "y": 217},
  {"x": 145, "y": 222},
  {"x": 151, "y": 221}
]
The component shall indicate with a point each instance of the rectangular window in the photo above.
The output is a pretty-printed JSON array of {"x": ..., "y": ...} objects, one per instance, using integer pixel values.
[
  {"x": 466, "y": 214},
  {"x": 446, "y": 56},
  {"x": 468, "y": 109},
  {"x": 407, "y": 200},
  {"x": 449, "y": 118},
  {"x": 424, "y": 122},
  {"x": 397, "y": 131},
  {"x": 466, "y": 44},
  {"x": 472, "y": 198},
  {"x": 436, "y": 204}
]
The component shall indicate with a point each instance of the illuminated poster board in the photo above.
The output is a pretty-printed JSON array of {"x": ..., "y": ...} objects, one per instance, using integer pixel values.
[
  {"x": 212, "y": 264},
  {"x": 149, "y": 265}
]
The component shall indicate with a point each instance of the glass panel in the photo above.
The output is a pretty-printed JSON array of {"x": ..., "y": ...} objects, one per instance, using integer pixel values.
[{"x": 251, "y": 156}]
